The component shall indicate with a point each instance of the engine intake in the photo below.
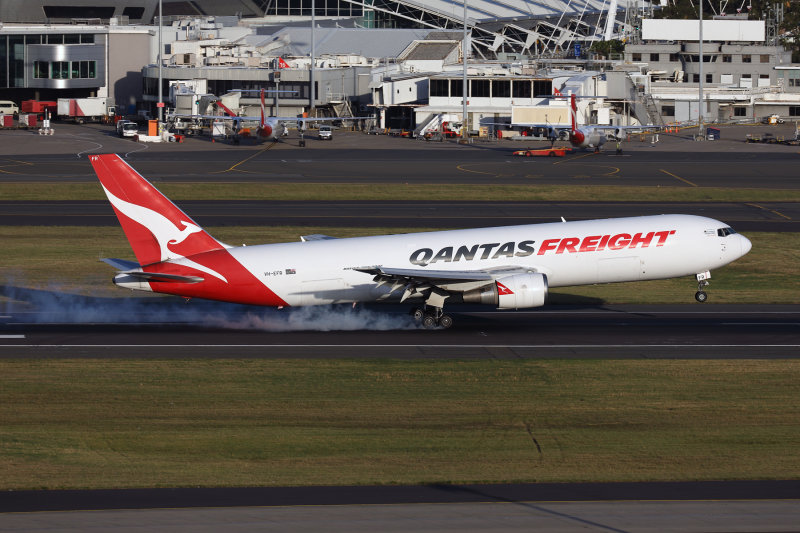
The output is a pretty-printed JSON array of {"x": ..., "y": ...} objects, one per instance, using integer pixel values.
[{"x": 512, "y": 292}]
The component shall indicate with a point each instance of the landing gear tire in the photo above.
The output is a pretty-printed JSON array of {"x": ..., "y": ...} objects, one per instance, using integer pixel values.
[
  {"x": 429, "y": 322},
  {"x": 445, "y": 321},
  {"x": 701, "y": 296},
  {"x": 418, "y": 314}
]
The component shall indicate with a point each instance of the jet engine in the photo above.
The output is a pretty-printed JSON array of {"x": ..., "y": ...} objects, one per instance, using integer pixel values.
[{"x": 512, "y": 292}]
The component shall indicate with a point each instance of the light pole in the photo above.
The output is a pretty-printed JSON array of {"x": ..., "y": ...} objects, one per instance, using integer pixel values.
[
  {"x": 313, "y": 53},
  {"x": 160, "y": 74},
  {"x": 700, "y": 125},
  {"x": 464, "y": 52}
]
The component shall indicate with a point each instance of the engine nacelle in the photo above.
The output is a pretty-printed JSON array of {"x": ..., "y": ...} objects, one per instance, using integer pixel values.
[{"x": 512, "y": 292}]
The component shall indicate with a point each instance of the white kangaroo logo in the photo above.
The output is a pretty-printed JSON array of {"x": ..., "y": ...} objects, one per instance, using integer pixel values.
[{"x": 163, "y": 230}]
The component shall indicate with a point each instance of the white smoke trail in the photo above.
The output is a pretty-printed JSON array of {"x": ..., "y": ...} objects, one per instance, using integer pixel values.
[
  {"x": 318, "y": 318},
  {"x": 55, "y": 306}
]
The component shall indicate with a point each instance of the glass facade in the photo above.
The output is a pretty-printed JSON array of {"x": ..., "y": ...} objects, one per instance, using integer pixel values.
[
  {"x": 16, "y": 50},
  {"x": 323, "y": 8}
]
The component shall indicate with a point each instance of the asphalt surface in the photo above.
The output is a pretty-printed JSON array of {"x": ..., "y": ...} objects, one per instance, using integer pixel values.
[
  {"x": 62, "y": 326},
  {"x": 55, "y": 325},
  {"x": 402, "y": 215},
  {"x": 71, "y": 500},
  {"x": 674, "y": 161}
]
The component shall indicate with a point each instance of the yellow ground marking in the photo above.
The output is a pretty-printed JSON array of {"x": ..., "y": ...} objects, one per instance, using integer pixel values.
[
  {"x": 461, "y": 167},
  {"x": 14, "y": 163},
  {"x": 678, "y": 177},
  {"x": 574, "y": 158},
  {"x": 232, "y": 168},
  {"x": 770, "y": 210}
]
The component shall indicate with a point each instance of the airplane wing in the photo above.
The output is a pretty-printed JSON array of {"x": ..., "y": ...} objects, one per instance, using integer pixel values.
[
  {"x": 217, "y": 117},
  {"x": 435, "y": 285}
]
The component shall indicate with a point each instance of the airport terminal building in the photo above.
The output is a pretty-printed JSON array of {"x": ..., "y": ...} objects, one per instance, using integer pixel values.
[{"x": 47, "y": 62}]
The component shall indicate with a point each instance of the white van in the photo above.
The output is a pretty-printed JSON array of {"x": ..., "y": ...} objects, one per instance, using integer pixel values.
[
  {"x": 326, "y": 132},
  {"x": 127, "y": 128},
  {"x": 7, "y": 107}
]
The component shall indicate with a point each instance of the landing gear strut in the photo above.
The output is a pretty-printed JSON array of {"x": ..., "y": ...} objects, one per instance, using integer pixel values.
[
  {"x": 432, "y": 317},
  {"x": 701, "y": 295}
]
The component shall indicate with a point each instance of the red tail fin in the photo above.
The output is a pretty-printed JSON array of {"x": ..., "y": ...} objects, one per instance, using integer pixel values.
[
  {"x": 573, "y": 113},
  {"x": 156, "y": 229},
  {"x": 263, "y": 109}
]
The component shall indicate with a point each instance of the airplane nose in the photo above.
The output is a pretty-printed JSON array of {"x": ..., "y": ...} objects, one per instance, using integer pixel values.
[{"x": 746, "y": 244}]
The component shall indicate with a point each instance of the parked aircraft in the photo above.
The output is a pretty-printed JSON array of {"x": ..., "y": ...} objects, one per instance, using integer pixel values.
[
  {"x": 269, "y": 128},
  {"x": 508, "y": 267},
  {"x": 586, "y": 136}
]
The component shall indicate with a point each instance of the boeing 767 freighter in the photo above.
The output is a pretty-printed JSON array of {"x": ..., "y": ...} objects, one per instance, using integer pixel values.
[{"x": 510, "y": 267}]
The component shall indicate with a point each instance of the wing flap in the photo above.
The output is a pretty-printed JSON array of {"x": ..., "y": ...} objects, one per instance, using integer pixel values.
[{"x": 428, "y": 275}]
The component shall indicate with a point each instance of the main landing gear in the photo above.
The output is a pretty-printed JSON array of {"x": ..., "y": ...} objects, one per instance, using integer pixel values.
[{"x": 431, "y": 317}]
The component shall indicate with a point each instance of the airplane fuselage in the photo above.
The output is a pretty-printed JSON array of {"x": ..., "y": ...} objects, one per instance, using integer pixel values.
[{"x": 567, "y": 253}]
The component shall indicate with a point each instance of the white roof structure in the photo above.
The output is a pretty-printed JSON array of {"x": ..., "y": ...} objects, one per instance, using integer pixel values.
[{"x": 529, "y": 27}]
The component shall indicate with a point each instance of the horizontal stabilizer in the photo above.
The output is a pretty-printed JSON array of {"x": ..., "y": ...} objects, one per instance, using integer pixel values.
[
  {"x": 170, "y": 278},
  {"x": 316, "y": 237},
  {"x": 121, "y": 264}
]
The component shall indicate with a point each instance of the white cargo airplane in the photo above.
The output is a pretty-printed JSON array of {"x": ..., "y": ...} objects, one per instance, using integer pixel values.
[{"x": 508, "y": 267}]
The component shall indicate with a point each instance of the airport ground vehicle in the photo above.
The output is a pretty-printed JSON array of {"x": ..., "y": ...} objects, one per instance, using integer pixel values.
[
  {"x": 509, "y": 267},
  {"x": 556, "y": 151},
  {"x": 772, "y": 119},
  {"x": 82, "y": 110},
  {"x": 39, "y": 108},
  {"x": 325, "y": 133},
  {"x": 127, "y": 128},
  {"x": 7, "y": 107}
]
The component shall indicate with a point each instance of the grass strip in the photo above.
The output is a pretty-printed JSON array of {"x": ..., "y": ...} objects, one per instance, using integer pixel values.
[
  {"x": 156, "y": 423},
  {"x": 43, "y": 191},
  {"x": 66, "y": 258}
]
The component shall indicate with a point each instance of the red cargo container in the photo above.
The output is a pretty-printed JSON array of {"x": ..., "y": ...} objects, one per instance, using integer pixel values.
[
  {"x": 38, "y": 107},
  {"x": 8, "y": 121}
]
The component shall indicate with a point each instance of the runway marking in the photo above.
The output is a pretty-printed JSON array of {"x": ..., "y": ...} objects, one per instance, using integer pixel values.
[
  {"x": 414, "y": 345},
  {"x": 15, "y": 164},
  {"x": 99, "y": 146},
  {"x": 146, "y": 146},
  {"x": 461, "y": 168},
  {"x": 770, "y": 210},
  {"x": 12, "y": 336},
  {"x": 259, "y": 152},
  {"x": 678, "y": 177},
  {"x": 760, "y": 323},
  {"x": 574, "y": 158}
]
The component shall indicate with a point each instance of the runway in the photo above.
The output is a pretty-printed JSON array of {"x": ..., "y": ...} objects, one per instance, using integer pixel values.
[
  {"x": 400, "y": 215},
  {"x": 620, "y": 507},
  {"x": 145, "y": 329}
]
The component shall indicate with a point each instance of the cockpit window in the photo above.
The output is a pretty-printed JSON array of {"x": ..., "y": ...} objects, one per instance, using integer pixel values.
[{"x": 724, "y": 232}]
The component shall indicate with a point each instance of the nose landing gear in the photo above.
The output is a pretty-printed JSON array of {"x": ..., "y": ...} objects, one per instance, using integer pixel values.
[
  {"x": 431, "y": 317},
  {"x": 702, "y": 283}
]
